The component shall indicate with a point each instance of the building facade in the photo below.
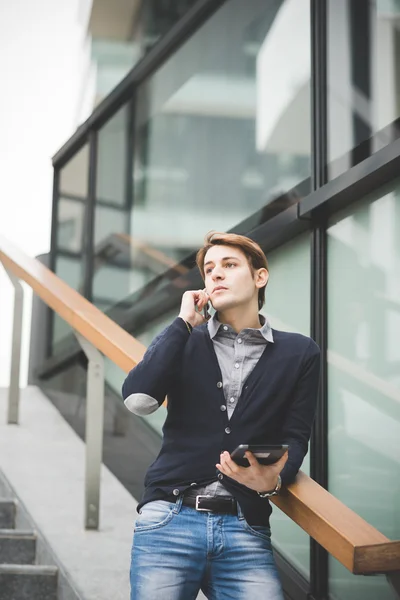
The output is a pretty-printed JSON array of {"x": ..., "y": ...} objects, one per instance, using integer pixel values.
[{"x": 278, "y": 120}]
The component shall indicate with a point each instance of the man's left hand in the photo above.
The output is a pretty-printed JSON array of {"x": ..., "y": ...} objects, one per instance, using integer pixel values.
[{"x": 257, "y": 477}]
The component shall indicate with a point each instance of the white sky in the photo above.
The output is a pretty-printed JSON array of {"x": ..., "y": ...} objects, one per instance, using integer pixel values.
[{"x": 43, "y": 57}]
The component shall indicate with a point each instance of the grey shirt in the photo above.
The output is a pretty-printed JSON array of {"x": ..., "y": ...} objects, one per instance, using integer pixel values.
[{"x": 237, "y": 354}]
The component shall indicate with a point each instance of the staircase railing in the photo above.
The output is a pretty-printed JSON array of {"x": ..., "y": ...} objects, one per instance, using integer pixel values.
[{"x": 356, "y": 544}]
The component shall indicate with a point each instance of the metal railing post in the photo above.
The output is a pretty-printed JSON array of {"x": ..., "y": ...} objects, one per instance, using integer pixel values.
[
  {"x": 94, "y": 431},
  {"x": 14, "y": 388}
]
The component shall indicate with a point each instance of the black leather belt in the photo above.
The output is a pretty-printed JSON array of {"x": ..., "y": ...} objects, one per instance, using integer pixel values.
[{"x": 215, "y": 504}]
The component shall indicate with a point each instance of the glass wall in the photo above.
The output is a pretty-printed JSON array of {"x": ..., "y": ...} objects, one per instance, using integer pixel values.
[
  {"x": 218, "y": 134},
  {"x": 156, "y": 17},
  {"x": 223, "y": 128},
  {"x": 364, "y": 374},
  {"x": 70, "y": 253},
  {"x": 123, "y": 33},
  {"x": 288, "y": 309},
  {"x": 363, "y": 79},
  {"x": 111, "y": 218}
]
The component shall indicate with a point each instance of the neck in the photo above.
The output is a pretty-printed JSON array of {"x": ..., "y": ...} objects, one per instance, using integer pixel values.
[{"x": 240, "y": 318}]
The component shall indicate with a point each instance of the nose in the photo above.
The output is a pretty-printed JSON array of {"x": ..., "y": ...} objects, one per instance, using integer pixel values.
[{"x": 217, "y": 273}]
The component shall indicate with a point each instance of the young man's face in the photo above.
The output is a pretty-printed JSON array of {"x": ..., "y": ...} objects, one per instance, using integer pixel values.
[{"x": 228, "y": 278}]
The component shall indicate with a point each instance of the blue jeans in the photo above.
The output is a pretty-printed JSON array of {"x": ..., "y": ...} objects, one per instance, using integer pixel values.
[{"x": 178, "y": 550}]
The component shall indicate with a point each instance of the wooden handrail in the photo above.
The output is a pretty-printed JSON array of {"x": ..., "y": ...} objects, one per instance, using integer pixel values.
[
  {"x": 108, "y": 337},
  {"x": 361, "y": 548}
]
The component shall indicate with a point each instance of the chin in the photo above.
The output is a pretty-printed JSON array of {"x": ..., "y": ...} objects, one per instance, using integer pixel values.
[{"x": 220, "y": 304}]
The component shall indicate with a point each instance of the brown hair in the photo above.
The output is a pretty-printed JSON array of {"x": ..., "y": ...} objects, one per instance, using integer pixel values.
[{"x": 252, "y": 251}]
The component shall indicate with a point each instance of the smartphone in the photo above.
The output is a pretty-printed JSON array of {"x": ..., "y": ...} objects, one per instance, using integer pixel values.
[
  {"x": 265, "y": 454},
  {"x": 206, "y": 314},
  {"x": 204, "y": 311}
]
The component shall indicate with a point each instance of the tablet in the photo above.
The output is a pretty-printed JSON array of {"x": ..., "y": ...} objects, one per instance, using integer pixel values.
[{"x": 265, "y": 454}]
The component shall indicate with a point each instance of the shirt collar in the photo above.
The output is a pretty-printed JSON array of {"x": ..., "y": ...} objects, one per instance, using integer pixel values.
[{"x": 213, "y": 326}]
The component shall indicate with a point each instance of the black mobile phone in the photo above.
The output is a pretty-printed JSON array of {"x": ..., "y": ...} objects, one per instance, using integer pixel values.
[
  {"x": 206, "y": 314},
  {"x": 266, "y": 454}
]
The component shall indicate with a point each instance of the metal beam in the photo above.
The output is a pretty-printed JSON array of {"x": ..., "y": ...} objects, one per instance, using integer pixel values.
[
  {"x": 357, "y": 183},
  {"x": 318, "y": 317}
]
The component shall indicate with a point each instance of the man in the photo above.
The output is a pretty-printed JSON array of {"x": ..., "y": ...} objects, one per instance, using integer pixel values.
[{"x": 203, "y": 520}]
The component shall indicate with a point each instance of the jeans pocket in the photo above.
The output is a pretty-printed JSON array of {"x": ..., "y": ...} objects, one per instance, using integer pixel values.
[
  {"x": 154, "y": 515},
  {"x": 261, "y": 531}
]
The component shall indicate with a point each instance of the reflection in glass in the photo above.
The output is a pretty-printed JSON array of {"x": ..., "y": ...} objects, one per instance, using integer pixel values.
[
  {"x": 363, "y": 80},
  {"x": 156, "y": 17},
  {"x": 121, "y": 35},
  {"x": 71, "y": 216},
  {"x": 69, "y": 269},
  {"x": 112, "y": 208},
  {"x": 220, "y": 139},
  {"x": 288, "y": 309},
  {"x": 220, "y": 130},
  {"x": 73, "y": 190},
  {"x": 213, "y": 147},
  {"x": 70, "y": 258},
  {"x": 364, "y": 374}
]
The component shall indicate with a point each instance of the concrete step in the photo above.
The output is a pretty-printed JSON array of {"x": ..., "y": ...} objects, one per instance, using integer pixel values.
[
  {"x": 28, "y": 582},
  {"x": 17, "y": 547},
  {"x": 7, "y": 514}
]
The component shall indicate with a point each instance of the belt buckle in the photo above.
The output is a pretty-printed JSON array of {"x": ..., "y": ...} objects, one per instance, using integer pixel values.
[{"x": 197, "y": 504}]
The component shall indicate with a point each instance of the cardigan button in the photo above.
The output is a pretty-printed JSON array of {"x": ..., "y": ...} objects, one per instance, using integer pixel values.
[
  {"x": 175, "y": 492},
  {"x": 220, "y": 476},
  {"x": 219, "y": 384},
  {"x": 227, "y": 429},
  {"x": 223, "y": 407}
]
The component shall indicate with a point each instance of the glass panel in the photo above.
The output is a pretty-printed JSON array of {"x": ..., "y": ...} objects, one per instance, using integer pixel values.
[
  {"x": 363, "y": 79},
  {"x": 70, "y": 256},
  {"x": 290, "y": 279},
  {"x": 123, "y": 34},
  {"x": 74, "y": 178},
  {"x": 112, "y": 261},
  {"x": 212, "y": 147},
  {"x": 364, "y": 374},
  {"x": 112, "y": 60},
  {"x": 69, "y": 269},
  {"x": 221, "y": 130},
  {"x": 157, "y": 17},
  {"x": 71, "y": 216}
]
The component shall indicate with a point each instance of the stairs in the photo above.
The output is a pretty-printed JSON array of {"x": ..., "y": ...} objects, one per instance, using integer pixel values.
[{"x": 20, "y": 577}]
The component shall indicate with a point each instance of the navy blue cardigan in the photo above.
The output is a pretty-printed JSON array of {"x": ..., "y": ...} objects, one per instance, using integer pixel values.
[{"x": 277, "y": 405}]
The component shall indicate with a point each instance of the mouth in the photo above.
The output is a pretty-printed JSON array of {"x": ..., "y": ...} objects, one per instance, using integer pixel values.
[{"x": 219, "y": 288}]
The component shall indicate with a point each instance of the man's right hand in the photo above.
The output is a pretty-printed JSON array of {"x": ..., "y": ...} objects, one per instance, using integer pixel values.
[{"x": 190, "y": 301}]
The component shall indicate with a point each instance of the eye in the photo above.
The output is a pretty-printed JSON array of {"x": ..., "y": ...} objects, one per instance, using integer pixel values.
[
  {"x": 208, "y": 270},
  {"x": 231, "y": 264}
]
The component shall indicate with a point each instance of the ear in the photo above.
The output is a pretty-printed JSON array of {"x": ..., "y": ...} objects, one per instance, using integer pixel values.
[{"x": 261, "y": 278}]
